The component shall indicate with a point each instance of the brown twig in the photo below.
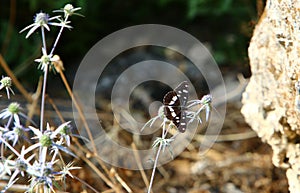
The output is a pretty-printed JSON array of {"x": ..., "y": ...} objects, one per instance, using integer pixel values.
[
  {"x": 108, "y": 191},
  {"x": 99, "y": 173},
  {"x": 102, "y": 164},
  {"x": 90, "y": 164},
  {"x": 96, "y": 157},
  {"x": 35, "y": 99},
  {"x": 55, "y": 109},
  {"x": 14, "y": 187},
  {"x": 86, "y": 184},
  {"x": 227, "y": 137},
  {"x": 59, "y": 68},
  {"x": 121, "y": 181},
  {"x": 139, "y": 164},
  {"x": 84, "y": 150},
  {"x": 110, "y": 182},
  {"x": 62, "y": 75}
]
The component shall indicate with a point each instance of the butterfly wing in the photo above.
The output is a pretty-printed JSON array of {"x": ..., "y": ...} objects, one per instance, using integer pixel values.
[
  {"x": 182, "y": 122},
  {"x": 175, "y": 104},
  {"x": 171, "y": 105},
  {"x": 182, "y": 91}
]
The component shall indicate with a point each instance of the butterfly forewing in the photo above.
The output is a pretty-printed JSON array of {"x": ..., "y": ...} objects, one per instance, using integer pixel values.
[
  {"x": 175, "y": 106},
  {"x": 172, "y": 105}
]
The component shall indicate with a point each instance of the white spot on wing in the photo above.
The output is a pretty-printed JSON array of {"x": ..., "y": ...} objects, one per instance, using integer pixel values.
[
  {"x": 174, "y": 99},
  {"x": 173, "y": 113}
]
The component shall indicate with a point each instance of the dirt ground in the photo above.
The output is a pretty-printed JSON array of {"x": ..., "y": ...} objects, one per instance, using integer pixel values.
[
  {"x": 235, "y": 164},
  {"x": 232, "y": 165}
]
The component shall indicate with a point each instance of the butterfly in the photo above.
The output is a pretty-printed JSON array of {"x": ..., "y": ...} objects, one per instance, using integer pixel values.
[{"x": 175, "y": 106}]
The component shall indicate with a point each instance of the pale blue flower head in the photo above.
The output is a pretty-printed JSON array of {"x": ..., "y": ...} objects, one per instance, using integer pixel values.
[{"x": 40, "y": 20}]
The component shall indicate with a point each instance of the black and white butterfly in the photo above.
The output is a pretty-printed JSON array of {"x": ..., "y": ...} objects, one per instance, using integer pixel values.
[{"x": 175, "y": 103}]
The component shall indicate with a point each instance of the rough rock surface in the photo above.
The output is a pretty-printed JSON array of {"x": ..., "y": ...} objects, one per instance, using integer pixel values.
[{"x": 270, "y": 97}]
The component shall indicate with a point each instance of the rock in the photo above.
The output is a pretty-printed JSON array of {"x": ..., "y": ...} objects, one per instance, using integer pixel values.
[{"x": 269, "y": 99}]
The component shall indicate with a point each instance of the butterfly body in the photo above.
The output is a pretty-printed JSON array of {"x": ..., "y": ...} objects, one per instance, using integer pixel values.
[{"x": 175, "y": 106}]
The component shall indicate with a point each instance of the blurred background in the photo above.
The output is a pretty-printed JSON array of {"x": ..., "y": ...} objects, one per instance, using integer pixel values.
[{"x": 224, "y": 26}]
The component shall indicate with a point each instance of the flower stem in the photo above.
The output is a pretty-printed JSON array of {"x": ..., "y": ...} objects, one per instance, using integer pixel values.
[
  {"x": 154, "y": 168},
  {"x": 9, "y": 122},
  {"x": 9, "y": 146},
  {"x": 44, "y": 82},
  {"x": 43, "y": 98},
  {"x": 43, "y": 38},
  {"x": 58, "y": 37},
  {"x": 164, "y": 134}
]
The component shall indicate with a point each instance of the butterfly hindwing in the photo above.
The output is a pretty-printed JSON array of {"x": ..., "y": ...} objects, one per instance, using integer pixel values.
[
  {"x": 183, "y": 93},
  {"x": 183, "y": 122}
]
